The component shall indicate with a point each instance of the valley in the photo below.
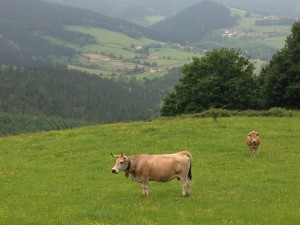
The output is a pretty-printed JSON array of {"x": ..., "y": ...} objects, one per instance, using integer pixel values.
[{"x": 119, "y": 55}]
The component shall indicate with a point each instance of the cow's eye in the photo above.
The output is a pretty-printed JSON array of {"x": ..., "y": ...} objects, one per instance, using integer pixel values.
[{"x": 121, "y": 162}]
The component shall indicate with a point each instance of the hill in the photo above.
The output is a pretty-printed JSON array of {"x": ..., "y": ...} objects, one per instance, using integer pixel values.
[
  {"x": 64, "y": 177},
  {"x": 24, "y": 24},
  {"x": 196, "y": 22}
]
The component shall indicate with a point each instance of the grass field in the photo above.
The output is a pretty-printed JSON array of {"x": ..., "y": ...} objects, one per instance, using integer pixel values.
[{"x": 64, "y": 177}]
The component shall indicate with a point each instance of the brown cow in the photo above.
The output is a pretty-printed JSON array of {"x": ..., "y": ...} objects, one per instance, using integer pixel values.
[
  {"x": 253, "y": 141},
  {"x": 162, "y": 168}
]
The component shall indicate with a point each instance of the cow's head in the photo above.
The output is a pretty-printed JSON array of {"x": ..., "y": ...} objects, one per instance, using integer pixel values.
[
  {"x": 122, "y": 163},
  {"x": 254, "y": 136}
]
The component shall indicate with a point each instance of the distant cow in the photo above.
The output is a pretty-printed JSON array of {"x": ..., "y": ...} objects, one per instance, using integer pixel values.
[
  {"x": 253, "y": 142},
  {"x": 162, "y": 168}
]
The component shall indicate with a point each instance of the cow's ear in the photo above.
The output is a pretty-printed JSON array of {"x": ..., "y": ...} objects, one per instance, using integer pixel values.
[
  {"x": 257, "y": 133},
  {"x": 249, "y": 134}
]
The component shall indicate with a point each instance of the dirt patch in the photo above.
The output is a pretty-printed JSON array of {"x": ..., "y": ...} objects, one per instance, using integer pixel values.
[{"x": 97, "y": 57}]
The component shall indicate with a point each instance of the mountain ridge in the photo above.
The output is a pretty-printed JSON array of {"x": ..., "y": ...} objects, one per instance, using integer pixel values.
[{"x": 130, "y": 9}]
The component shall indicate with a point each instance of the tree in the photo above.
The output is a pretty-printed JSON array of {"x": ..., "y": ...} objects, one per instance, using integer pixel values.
[
  {"x": 221, "y": 79},
  {"x": 281, "y": 78}
]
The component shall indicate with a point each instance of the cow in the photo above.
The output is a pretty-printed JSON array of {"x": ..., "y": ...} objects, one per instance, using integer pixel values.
[
  {"x": 253, "y": 141},
  {"x": 162, "y": 168}
]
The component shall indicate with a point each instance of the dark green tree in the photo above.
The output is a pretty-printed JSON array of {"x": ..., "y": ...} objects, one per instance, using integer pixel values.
[
  {"x": 221, "y": 79},
  {"x": 281, "y": 78}
]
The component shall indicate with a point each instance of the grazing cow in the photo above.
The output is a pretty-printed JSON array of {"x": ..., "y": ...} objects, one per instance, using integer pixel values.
[
  {"x": 162, "y": 168},
  {"x": 253, "y": 142}
]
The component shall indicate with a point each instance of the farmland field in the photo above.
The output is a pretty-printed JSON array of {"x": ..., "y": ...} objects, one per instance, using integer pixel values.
[
  {"x": 121, "y": 50},
  {"x": 64, "y": 177}
]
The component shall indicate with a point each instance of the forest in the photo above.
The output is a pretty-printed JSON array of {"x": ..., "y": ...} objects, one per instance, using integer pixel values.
[{"x": 74, "y": 95}]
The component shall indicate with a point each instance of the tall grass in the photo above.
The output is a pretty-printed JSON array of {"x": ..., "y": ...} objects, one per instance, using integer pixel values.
[{"x": 64, "y": 177}]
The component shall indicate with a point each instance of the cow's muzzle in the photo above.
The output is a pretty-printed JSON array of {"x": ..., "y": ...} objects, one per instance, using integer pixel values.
[{"x": 114, "y": 171}]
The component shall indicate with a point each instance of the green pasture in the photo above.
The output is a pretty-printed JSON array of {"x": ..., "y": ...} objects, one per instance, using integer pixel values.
[
  {"x": 110, "y": 37},
  {"x": 64, "y": 177}
]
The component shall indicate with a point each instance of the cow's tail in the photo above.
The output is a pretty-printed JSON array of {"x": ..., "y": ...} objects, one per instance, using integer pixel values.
[
  {"x": 188, "y": 154},
  {"x": 190, "y": 171}
]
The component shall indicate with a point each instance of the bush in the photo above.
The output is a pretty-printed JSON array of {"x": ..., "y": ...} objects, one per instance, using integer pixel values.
[
  {"x": 215, "y": 113},
  {"x": 281, "y": 112}
]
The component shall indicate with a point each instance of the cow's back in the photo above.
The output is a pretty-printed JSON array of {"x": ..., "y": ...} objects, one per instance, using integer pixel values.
[{"x": 163, "y": 167}]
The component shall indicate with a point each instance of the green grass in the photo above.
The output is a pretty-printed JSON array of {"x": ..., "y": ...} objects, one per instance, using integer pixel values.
[{"x": 64, "y": 177}]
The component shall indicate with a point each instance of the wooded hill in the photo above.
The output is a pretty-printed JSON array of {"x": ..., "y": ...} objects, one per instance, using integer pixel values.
[
  {"x": 194, "y": 23},
  {"x": 75, "y": 95}
]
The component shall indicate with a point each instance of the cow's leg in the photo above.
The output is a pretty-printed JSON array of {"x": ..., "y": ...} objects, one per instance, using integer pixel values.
[
  {"x": 185, "y": 186},
  {"x": 189, "y": 186},
  {"x": 145, "y": 187},
  {"x": 254, "y": 152}
]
